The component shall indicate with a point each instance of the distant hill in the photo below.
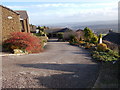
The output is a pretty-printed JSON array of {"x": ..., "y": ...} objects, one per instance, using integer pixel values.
[
  {"x": 99, "y": 28},
  {"x": 96, "y": 26}
]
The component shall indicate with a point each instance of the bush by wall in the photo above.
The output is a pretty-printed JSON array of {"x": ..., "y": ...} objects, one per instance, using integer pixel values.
[
  {"x": 24, "y": 41},
  {"x": 94, "y": 39},
  {"x": 60, "y": 35},
  {"x": 88, "y": 34},
  {"x": 102, "y": 47},
  {"x": 109, "y": 55}
]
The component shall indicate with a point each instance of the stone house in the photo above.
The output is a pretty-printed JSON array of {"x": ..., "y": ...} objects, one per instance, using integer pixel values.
[
  {"x": 10, "y": 22},
  {"x": 24, "y": 19}
]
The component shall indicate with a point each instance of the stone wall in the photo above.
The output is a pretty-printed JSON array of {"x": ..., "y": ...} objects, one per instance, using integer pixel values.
[{"x": 9, "y": 25}]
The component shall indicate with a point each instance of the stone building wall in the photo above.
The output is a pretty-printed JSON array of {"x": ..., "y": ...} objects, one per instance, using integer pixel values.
[
  {"x": 0, "y": 25},
  {"x": 25, "y": 25},
  {"x": 28, "y": 26},
  {"x": 9, "y": 25},
  {"x": 24, "y": 19}
]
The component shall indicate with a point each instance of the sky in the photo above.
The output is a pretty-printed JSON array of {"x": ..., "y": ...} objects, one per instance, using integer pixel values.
[{"x": 45, "y": 12}]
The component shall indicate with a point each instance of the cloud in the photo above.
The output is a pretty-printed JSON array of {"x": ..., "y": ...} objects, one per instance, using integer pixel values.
[
  {"x": 74, "y": 5},
  {"x": 109, "y": 9},
  {"x": 61, "y": 12},
  {"x": 18, "y": 7},
  {"x": 57, "y": 0},
  {"x": 74, "y": 15},
  {"x": 58, "y": 5}
]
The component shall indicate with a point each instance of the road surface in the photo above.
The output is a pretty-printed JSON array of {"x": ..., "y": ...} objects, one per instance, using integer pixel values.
[{"x": 59, "y": 66}]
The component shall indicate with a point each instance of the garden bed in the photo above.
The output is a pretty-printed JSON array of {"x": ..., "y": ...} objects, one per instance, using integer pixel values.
[
  {"x": 104, "y": 53},
  {"x": 109, "y": 66}
]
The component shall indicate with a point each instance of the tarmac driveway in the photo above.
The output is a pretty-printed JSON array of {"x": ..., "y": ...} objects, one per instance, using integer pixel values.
[{"x": 59, "y": 66}]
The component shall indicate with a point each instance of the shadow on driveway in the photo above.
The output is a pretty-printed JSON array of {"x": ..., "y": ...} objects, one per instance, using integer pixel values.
[{"x": 73, "y": 76}]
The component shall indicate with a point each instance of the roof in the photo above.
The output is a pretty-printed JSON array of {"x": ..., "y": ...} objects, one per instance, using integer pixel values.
[
  {"x": 23, "y": 14},
  {"x": 9, "y": 9},
  {"x": 65, "y": 30},
  {"x": 113, "y": 37},
  {"x": 56, "y": 30},
  {"x": 52, "y": 30},
  {"x": 79, "y": 30}
]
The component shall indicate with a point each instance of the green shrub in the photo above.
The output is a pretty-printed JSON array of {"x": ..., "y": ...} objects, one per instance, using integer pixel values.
[
  {"x": 43, "y": 40},
  {"x": 100, "y": 36},
  {"x": 94, "y": 39},
  {"x": 113, "y": 53},
  {"x": 105, "y": 56},
  {"x": 60, "y": 35},
  {"x": 72, "y": 38},
  {"x": 37, "y": 34},
  {"x": 102, "y": 47},
  {"x": 88, "y": 34}
]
